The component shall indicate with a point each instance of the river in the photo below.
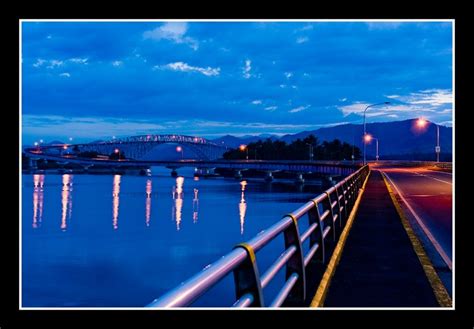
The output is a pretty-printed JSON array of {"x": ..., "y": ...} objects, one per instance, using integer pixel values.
[{"x": 122, "y": 241}]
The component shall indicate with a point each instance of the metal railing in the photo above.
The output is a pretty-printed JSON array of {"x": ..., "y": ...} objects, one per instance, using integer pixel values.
[{"x": 327, "y": 215}]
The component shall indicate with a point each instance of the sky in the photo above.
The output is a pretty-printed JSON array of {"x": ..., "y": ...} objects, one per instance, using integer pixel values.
[{"x": 95, "y": 80}]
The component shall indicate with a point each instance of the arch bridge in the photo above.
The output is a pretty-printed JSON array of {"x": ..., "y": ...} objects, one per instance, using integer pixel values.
[{"x": 138, "y": 147}]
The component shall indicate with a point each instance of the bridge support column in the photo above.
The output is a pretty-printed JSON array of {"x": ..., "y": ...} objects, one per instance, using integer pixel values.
[
  {"x": 268, "y": 176},
  {"x": 238, "y": 174},
  {"x": 328, "y": 181},
  {"x": 174, "y": 173},
  {"x": 299, "y": 179},
  {"x": 33, "y": 164}
]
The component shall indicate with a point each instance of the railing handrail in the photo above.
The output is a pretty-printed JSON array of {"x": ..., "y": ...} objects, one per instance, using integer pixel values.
[{"x": 242, "y": 261}]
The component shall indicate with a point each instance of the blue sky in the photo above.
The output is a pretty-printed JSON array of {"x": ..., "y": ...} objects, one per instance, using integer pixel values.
[{"x": 95, "y": 80}]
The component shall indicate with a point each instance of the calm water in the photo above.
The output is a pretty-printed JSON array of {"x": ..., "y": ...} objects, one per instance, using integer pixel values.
[{"x": 111, "y": 240}]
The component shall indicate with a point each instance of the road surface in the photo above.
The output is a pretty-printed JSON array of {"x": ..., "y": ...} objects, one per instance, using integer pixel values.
[{"x": 428, "y": 197}]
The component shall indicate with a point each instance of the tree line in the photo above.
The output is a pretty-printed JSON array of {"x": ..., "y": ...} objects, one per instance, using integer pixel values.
[{"x": 296, "y": 150}]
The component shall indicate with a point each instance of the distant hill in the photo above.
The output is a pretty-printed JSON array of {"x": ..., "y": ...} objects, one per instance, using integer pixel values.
[{"x": 395, "y": 138}]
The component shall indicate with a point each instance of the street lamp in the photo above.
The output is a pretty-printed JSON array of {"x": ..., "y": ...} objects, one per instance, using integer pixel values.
[
  {"x": 421, "y": 123},
  {"x": 180, "y": 149},
  {"x": 367, "y": 139},
  {"x": 310, "y": 151},
  {"x": 365, "y": 132},
  {"x": 244, "y": 147}
]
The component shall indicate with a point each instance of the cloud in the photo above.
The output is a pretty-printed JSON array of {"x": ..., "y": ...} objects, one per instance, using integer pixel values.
[
  {"x": 433, "y": 97},
  {"x": 392, "y": 96},
  {"x": 54, "y": 63},
  {"x": 50, "y": 63},
  {"x": 175, "y": 31},
  {"x": 299, "y": 109},
  {"x": 288, "y": 74},
  {"x": 65, "y": 75},
  {"x": 117, "y": 63},
  {"x": 256, "y": 102},
  {"x": 282, "y": 86},
  {"x": 247, "y": 68},
  {"x": 302, "y": 39},
  {"x": 78, "y": 60},
  {"x": 271, "y": 108},
  {"x": 184, "y": 67},
  {"x": 39, "y": 62},
  {"x": 342, "y": 99}
]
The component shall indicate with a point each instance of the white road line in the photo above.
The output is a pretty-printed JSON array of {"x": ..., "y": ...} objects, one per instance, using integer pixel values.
[
  {"x": 428, "y": 176},
  {"x": 439, "y": 180},
  {"x": 430, "y": 236},
  {"x": 441, "y": 172}
]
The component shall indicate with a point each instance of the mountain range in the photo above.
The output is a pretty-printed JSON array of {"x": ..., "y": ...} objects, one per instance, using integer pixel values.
[{"x": 395, "y": 138}]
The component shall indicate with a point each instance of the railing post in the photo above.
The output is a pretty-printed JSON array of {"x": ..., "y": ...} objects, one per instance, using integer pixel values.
[
  {"x": 247, "y": 277},
  {"x": 338, "y": 205},
  {"x": 331, "y": 213},
  {"x": 317, "y": 235},
  {"x": 295, "y": 264}
]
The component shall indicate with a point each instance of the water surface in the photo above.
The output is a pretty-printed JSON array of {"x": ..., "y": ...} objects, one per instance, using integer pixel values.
[{"x": 122, "y": 241}]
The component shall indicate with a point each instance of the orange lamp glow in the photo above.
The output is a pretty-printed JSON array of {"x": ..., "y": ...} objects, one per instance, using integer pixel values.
[
  {"x": 421, "y": 122},
  {"x": 367, "y": 138},
  {"x": 242, "y": 147},
  {"x": 179, "y": 149}
]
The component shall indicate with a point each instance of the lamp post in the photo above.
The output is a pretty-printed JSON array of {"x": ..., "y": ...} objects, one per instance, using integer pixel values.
[
  {"x": 367, "y": 139},
  {"x": 438, "y": 147},
  {"x": 365, "y": 132},
  {"x": 180, "y": 149},
  {"x": 310, "y": 151},
  {"x": 421, "y": 123},
  {"x": 244, "y": 147},
  {"x": 376, "y": 149}
]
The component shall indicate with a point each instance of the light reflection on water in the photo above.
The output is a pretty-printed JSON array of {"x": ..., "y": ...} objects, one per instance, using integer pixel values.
[
  {"x": 116, "y": 201},
  {"x": 148, "y": 202},
  {"x": 94, "y": 261},
  {"x": 38, "y": 193},
  {"x": 66, "y": 201},
  {"x": 242, "y": 206}
]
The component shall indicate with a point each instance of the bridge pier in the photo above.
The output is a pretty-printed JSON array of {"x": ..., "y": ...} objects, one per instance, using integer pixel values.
[
  {"x": 174, "y": 173},
  {"x": 268, "y": 177},
  {"x": 299, "y": 179},
  {"x": 32, "y": 163},
  {"x": 238, "y": 174}
]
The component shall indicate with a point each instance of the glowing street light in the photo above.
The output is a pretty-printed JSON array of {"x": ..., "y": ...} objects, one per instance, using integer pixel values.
[
  {"x": 70, "y": 139},
  {"x": 180, "y": 149},
  {"x": 422, "y": 123},
  {"x": 41, "y": 141},
  {"x": 244, "y": 147},
  {"x": 116, "y": 151}
]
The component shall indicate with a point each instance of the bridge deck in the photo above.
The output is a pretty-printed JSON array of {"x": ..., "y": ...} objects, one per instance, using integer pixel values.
[{"x": 378, "y": 266}]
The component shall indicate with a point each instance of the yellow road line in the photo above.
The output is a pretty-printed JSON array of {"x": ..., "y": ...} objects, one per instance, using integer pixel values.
[
  {"x": 320, "y": 296},
  {"x": 439, "y": 290}
]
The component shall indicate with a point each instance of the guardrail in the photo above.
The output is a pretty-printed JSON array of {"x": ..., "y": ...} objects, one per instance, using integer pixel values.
[{"x": 327, "y": 215}]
